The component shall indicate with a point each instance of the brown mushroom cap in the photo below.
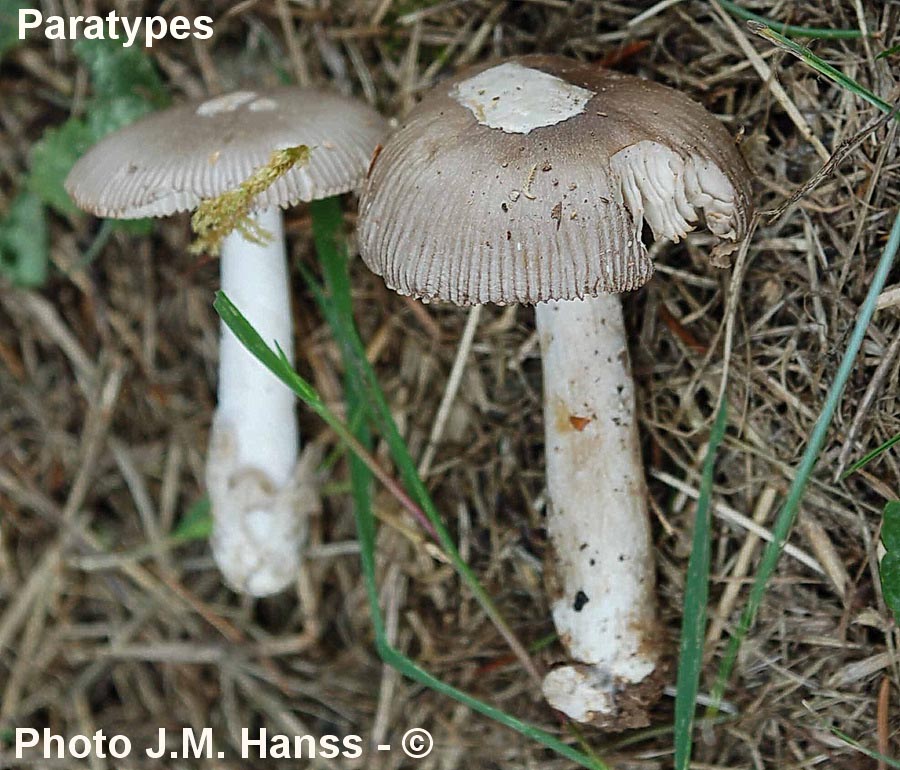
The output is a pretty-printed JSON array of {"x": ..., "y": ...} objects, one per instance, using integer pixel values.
[
  {"x": 487, "y": 194},
  {"x": 171, "y": 160}
]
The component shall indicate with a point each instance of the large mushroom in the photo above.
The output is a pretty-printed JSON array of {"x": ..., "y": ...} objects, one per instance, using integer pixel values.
[
  {"x": 529, "y": 181},
  {"x": 171, "y": 161}
]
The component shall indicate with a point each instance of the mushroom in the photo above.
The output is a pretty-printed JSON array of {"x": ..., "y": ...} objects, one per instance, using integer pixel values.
[
  {"x": 529, "y": 181},
  {"x": 169, "y": 162}
]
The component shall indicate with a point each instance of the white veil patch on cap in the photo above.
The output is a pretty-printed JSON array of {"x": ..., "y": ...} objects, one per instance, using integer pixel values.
[{"x": 519, "y": 99}]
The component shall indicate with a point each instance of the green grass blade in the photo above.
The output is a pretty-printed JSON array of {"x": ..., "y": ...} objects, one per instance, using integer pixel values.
[
  {"x": 418, "y": 674},
  {"x": 354, "y": 352},
  {"x": 869, "y": 456},
  {"x": 277, "y": 363},
  {"x": 693, "y": 626},
  {"x": 327, "y": 227},
  {"x": 327, "y": 224},
  {"x": 788, "y": 513},
  {"x": 790, "y": 29},
  {"x": 327, "y": 220},
  {"x": 820, "y": 65},
  {"x": 196, "y": 524},
  {"x": 863, "y": 750}
]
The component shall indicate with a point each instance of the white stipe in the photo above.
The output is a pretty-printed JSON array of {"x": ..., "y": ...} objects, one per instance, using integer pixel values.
[
  {"x": 597, "y": 515},
  {"x": 259, "y": 499}
]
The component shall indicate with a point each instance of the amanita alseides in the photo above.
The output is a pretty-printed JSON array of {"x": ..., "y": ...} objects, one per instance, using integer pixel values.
[
  {"x": 171, "y": 161},
  {"x": 529, "y": 181}
]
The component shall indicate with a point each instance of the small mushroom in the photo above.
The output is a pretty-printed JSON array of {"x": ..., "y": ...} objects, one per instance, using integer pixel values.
[
  {"x": 169, "y": 162},
  {"x": 529, "y": 181}
]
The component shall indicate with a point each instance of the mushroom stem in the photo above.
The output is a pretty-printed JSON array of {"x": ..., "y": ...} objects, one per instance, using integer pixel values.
[
  {"x": 597, "y": 519},
  {"x": 252, "y": 469}
]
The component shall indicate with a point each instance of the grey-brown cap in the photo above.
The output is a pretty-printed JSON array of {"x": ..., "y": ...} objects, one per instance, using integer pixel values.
[
  {"x": 173, "y": 159},
  {"x": 530, "y": 180}
]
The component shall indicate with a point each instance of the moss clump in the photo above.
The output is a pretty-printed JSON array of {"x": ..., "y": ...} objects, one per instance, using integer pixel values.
[{"x": 217, "y": 217}]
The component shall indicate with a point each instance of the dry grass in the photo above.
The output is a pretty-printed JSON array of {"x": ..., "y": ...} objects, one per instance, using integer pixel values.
[{"x": 107, "y": 387}]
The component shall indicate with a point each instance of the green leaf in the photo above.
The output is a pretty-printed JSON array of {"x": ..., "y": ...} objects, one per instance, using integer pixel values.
[
  {"x": 121, "y": 73},
  {"x": 52, "y": 157},
  {"x": 24, "y": 247},
  {"x": 890, "y": 581},
  {"x": 890, "y": 564},
  {"x": 196, "y": 524},
  {"x": 126, "y": 86},
  {"x": 107, "y": 115},
  {"x": 9, "y": 24},
  {"x": 890, "y": 528},
  {"x": 890, "y": 52}
]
